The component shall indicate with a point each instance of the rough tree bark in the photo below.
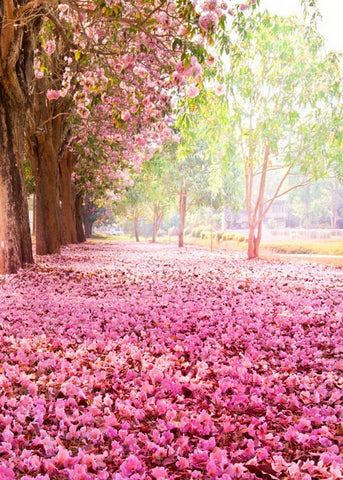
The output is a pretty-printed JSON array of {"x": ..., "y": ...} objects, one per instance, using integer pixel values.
[
  {"x": 45, "y": 171},
  {"x": 15, "y": 238},
  {"x": 34, "y": 214},
  {"x": 45, "y": 140},
  {"x": 17, "y": 44},
  {"x": 78, "y": 218},
  {"x": 67, "y": 197},
  {"x": 88, "y": 209}
]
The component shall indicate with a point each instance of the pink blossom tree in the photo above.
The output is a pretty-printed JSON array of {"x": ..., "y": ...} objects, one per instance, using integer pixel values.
[
  {"x": 154, "y": 41},
  {"x": 128, "y": 81}
]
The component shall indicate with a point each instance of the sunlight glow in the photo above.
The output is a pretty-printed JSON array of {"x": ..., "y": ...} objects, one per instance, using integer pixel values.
[{"x": 330, "y": 26}]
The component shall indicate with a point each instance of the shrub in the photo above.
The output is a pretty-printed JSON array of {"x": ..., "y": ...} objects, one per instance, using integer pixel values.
[
  {"x": 206, "y": 235},
  {"x": 228, "y": 236},
  {"x": 241, "y": 238},
  {"x": 197, "y": 231}
]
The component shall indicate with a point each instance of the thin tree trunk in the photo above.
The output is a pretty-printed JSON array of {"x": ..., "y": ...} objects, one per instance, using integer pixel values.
[
  {"x": 78, "y": 218},
  {"x": 255, "y": 219},
  {"x": 67, "y": 197},
  {"x": 182, "y": 214},
  {"x": 254, "y": 241},
  {"x": 15, "y": 237},
  {"x": 135, "y": 226},
  {"x": 88, "y": 209},
  {"x": 158, "y": 216},
  {"x": 251, "y": 243}
]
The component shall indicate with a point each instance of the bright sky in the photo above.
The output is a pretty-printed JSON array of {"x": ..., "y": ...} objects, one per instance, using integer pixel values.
[{"x": 330, "y": 26}]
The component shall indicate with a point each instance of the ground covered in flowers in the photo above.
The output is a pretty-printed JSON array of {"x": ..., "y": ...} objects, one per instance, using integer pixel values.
[{"x": 149, "y": 362}]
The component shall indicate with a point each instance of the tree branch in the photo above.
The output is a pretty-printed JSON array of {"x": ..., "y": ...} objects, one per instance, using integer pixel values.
[
  {"x": 33, "y": 5},
  {"x": 271, "y": 200}
]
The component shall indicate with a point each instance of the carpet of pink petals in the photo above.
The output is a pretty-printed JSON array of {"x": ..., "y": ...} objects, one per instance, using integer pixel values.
[{"x": 123, "y": 361}]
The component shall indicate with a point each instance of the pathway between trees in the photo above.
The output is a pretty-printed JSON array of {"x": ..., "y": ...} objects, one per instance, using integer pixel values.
[{"x": 125, "y": 361}]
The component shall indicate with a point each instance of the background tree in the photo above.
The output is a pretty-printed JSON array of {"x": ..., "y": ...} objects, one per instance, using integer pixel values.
[
  {"x": 203, "y": 171},
  {"x": 283, "y": 94},
  {"x": 319, "y": 204},
  {"x": 170, "y": 32},
  {"x": 132, "y": 204},
  {"x": 158, "y": 194}
]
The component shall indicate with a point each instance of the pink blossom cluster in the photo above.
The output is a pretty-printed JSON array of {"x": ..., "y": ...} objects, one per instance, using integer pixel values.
[
  {"x": 148, "y": 362},
  {"x": 50, "y": 46},
  {"x": 212, "y": 10},
  {"x": 53, "y": 94}
]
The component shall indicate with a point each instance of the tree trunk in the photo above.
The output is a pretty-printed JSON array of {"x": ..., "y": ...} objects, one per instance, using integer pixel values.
[
  {"x": 156, "y": 223},
  {"x": 47, "y": 135},
  {"x": 78, "y": 218},
  {"x": 67, "y": 198},
  {"x": 88, "y": 225},
  {"x": 154, "y": 232},
  {"x": 34, "y": 214},
  {"x": 48, "y": 221},
  {"x": 17, "y": 45},
  {"x": 182, "y": 213},
  {"x": 15, "y": 237},
  {"x": 135, "y": 226},
  {"x": 88, "y": 209},
  {"x": 254, "y": 241},
  {"x": 256, "y": 214},
  {"x": 253, "y": 247},
  {"x": 45, "y": 138}
]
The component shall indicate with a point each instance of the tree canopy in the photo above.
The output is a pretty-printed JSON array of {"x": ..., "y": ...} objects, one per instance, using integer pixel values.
[{"x": 284, "y": 107}]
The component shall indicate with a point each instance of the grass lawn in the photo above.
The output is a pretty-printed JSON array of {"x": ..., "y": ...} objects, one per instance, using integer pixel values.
[{"x": 310, "y": 247}]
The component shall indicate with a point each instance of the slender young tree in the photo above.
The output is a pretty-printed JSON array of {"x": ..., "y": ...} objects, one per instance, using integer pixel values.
[
  {"x": 131, "y": 204},
  {"x": 283, "y": 94}
]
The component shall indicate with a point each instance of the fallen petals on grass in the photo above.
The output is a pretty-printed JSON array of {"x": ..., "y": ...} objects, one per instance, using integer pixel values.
[{"x": 151, "y": 362}]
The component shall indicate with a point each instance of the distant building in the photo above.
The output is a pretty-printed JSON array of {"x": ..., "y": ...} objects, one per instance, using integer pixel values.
[{"x": 277, "y": 217}]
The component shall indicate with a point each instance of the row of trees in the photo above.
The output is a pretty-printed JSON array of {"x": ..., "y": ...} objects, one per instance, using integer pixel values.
[
  {"x": 176, "y": 179},
  {"x": 85, "y": 98},
  {"x": 85, "y": 90},
  {"x": 274, "y": 125}
]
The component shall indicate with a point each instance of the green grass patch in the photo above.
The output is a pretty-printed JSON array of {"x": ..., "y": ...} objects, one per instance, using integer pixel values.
[
  {"x": 102, "y": 237},
  {"x": 306, "y": 247}
]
